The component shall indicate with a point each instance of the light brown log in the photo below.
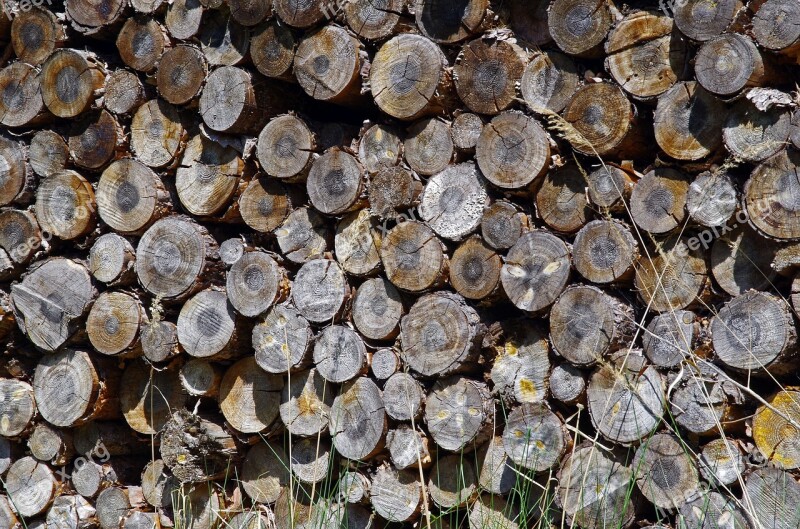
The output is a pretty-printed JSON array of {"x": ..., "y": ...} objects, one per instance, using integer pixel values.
[
  {"x": 534, "y": 437},
  {"x": 549, "y": 81},
  {"x": 207, "y": 326},
  {"x": 726, "y": 64},
  {"x": 339, "y": 354},
  {"x": 158, "y": 485},
  {"x": 157, "y": 135},
  {"x": 658, "y": 201},
  {"x": 513, "y": 151},
  {"x": 503, "y": 224},
  {"x": 491, "y": 510},
  {"x": 384, "y": 363},
  {"x": 48, "y": 153},
  {"x": 396, "y": 495},
  {"x": 141, "y": 42},
  {"x": 148, "y": 396},
  {"x": 487, "y": 73},
  {"x": 459, "y": 413},
  {"x": 755, "y": 332},
  {"x": 249, "y": 12},
  {"x": 113, "y": 324},
  {"x": 196, "y": 449},
  {"x": 200, "y": 510},
  {"x": 272, "y": 47},
  {"x": 183, "y": 18},
  {"x": 311, "y": 459},
  {"x": 124, "y": 92},
  {"x": 465, "y": 129},
  {"x": 182, "y": 70},
  {"x": 20, "y": 235},
  {"x": 141, "y": 520},
  {"x": 175, "y": 257},
  {"x": 356, "y": 244},
  {"x": 70, "y": 81},
  {"x": 452, "y": 482},
  {"x": 475, "y": 270},
  {"x": 741, "y": 261},
  {"x": 403, "y": 397},
  {"x": 21, "y": 103},
  {"x": 300, "y": 14},
  {"x": 702, "y": 21},
  {"x": 413, "y": 257},
  {"x": 286, "y": 148},
  {"x": 131, "y": 197},
  {"x": 328, "y": 65},
  {"x": 670, "y": 337},
  {"x": 704, "y": 399},
  {"x": 393, "y": 192},
  {"x": 521, "y": 368},
  {"x": 35, "y": 34},
  {"x": 605, "y": 251},
  {"x": 249, "y": 397},
  {"x": 448, "y": 22},
  {"x": 536, "y": 271},
  {"x": 160, "y": 340},
  {"x": 51, "y": 445},
  {"x": 282, "y": 340},
  {"x": 7, "y": 316},
  {"x": 201, "y": 378},
  {"x": 561, "y": 199},
  {"x": 320, "y": 290},
  {"x": 495, "y": 471},
  {"x": 358, "y": 420},
  {"x": 609, "y": 187},
  {"x": 721, "y": 462},
  {"x": 428, "y": 147},
  {"x": 410, "y": 78},
  {"x": 688, "y": 121},
  {"x": 30, "y": 486},
  {"x": 208, "y": 178},
  {"x": 408, "y": 447},
  {"x": 379, "y": 147},
  {"x": 374, "y": 20},
  {"x": 8, "y": 515},
  {"x": 453, "y": 201},
  {"x": 354, "y": 487},
  {"x": 113, "y": 505},
  {"x": 306, "y": 402},
  {"x": 234, "y": 102},
  {"x": 769, "y": 196},
  {"x": 712, "y": 199},
  {"x": 17, "y": 407},
  {"x": 47, "y": 312},
  {"x": 335, "y": 183},
  {"x": 579, "y": 27},
  {"x": 774, "y": 430},
  {"x": 626, "y": 398},
  {"x": 90, "y": 478},
  {"x": 256, "y": 282},
  {"x": 19, "y": 181},
  {"x": 666, "y": 474},
  {"x": 65, "y": 205},
  {"x": 111, "y": 260},
  {"x": 377, "y": 310},
  {"x": 223, "y": 40},
  {"x": 97, "y": 19},
  {"x": 264, "y": 204},
  {"x": 148, "y": 6},
  {"x": 674, "y": 279},
  {"x": 774, "y": 495},
  {"x": 265, "y": 472}
]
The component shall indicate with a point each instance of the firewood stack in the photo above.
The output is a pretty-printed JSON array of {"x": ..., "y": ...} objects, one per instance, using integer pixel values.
[{"x": 424, "y": 263}]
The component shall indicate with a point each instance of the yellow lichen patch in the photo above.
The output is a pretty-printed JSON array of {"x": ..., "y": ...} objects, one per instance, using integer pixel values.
[
  {"x": 527, "y": 390},
  {"x": 776, "y": 432}
]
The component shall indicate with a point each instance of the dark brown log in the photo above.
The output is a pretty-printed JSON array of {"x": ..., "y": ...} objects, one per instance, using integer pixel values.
[
  {"x": 207, "y": 326},
  {"x": 285, "y": 148},
  {"x": 658, "y": 201},
  {"x": 70, "y": 81},
  {"x": 753, "y": 135},
  {"x": 413, "y": 257},
  {"x": 579, "y": 27},
  {"x": 19, "y": 181},
  {"x": 521, "y": 368},
  {"x": 300, "y": 14},
  {"x": 48, "y": 153},
  {"x": 534, "y": 437},
  {"x": 20, "y": 235},
  {"x": 249, "y": 12},
  {"x": 201, "y": 378},
  {"x": 703, "y": 399},
  {"x": 567, "y": 384},
  {"x": 148, "y": 396},
  {"x": 160, "y": 340},
  {"x": 410, "y": 78},
  {"x": 249, "y": 397},
  {"x": 35, "y": 34},
  {"x": 358, "y": 420},
  {"x": 775, "y": 432},
  {"x": 674, "y": 279},
  {"x": 459, "y": 413},
  {"x": 475, "y": 270},
  {"x": 339, "y": 354},
  {"x": 549, "y": 81},
  {"x": 711, "y": 199},
  {"x": 113, "y": 324},
  {"x": 94, "y": 140},
  {"x": 196, "y": 449},
  {"x": 586, "y": 324},
  {"x": 17, "y": 407},
  {"x": 282, "y": 340},
  {"x": 51, "y": 300},
  {"x": 609, "y": 187},
  {"x": 124, "y": 92},
  {"x": 487, "y": 73},
  {"x": 264, "y": 204},
  {"x": 605, "y": 251},
  {"x": 741, "y": 261},
  {"x": 774, "y": 495},
  {"x": 306, "y": 403},
  {"x": 157, "y": 135},
  {"x": 645, "y": 55},
  {"x": 131, "y": 197},
  {"x": 377, "y": 310},
  {"x": 374, "y": 20},
  {"x": 21, "y": 103},
  {"x": 103, "y": 439},
  {"x": 702, "y": 21},
  {"x": 670, "y": 337},
  {"x": 775, "y": 27},
  {"x": 453, "y": 201},
  {"x": 320, "y": 289},
  {"x": 688, "y": 121},
  {"x": 393, "y": 192},
  {"x": 428, "y": 147},
  {"x": 174, "y": 258},
  {"x": 513, "y": 151},
  {"x": 503, "y": 224},
  {"x": 182, "y": 70},
  {"x": 111, "y": 258},
  {"x": 183, "y": 18},
  {"x": 51, "y": 445},
  {"x": 527, "y": 19},
  {"x": 769, "y": 196},
  {"x": 272, "y": 47},
  {"x": 311, "y": 458},
  {"x": 536, "y": 271},
  {"x": 408, "y": 447},
  {"x": 223, "y": 40},
  {"x": 30, "y": 486},
  {"x": 97, "y": 19},
  {"x": 335, "y": 183},
  {"x": 396, "y": 495},
  {"x": 452, "y": 482},
  {"x": 721, "y": 462},
  {"x": 626, "y": 398},
  {"x": 449, "y": 22},
  {"x": 726, "y": 64},
  {"x": 666, "y": 475},
  {"x": 231, "y": 102},
  {"x": 158, "y": 485},
  {"x": 755, "y": 332},
  {"x": 141, "y": 42},
  {"x": 561, "y": 199},
  {"x": 265, "y": 472},
  {"x": 328, "y": 65}
]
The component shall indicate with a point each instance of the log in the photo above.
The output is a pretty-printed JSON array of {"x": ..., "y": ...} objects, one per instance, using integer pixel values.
[
  {"x": 208, "y": 178},
  {"x": 311, "y": 459},
  {"x": 528, "y": 20},
  {"x": 299, "y": 14},
  {"x": 249, "y": 397},
  {"x": 233, "y": 101},
  {"x": 328, "y": 65},
  {"x": 196, "y": 449},
  {"x": 609, "y": 187},
  {"x": 408, "y": 448},
  {"x": 264, "y": 204},
  {"x": 112, "y": 505},
  {"x": 536, "y": 271},
  {"x": 521, "y": 368},
  {"x": 605, "y": 251},
  {"x": 379, "y": 147},
  {"x": 51, "y": 445},
  {"x": 373, "y": 20},
  {"x": 71, "y": 512},
  {"x": 549, "y": 81},
  {"x": 20, "y": 181},
  {"x": 410, "y": 77},
  {"x": 459, "y": 413},
  {"x": 670, "y": 337},
  {"x": 403, "y": 397},
  {"x": 255, "y": 283},
  {"x": 159, "y": 340},
  {"x": 711, "y": 199},
  {"x": 503, "y": 224},
  {"x": 183, "y": 18},
  {"x": 658, "y": 201},
  {"x": 44, "y": 311},
  {"x": 22, "y": 101},
  {"x": 48, "y": 153},
  {"x": 753, "y": 135},
  {"x": 112, "y": 259},
  {"x": 453, "y": 201},
  {"x": 182, "y": 70},
  {"x": 487, "y": 73},
  {"x": 354, "y": 487},
  {"x": 440, "y": 335},
  {"x": 157, "y": 135},
  {"x": 306, "y": 403},
  {"x": 20, "y": 235},
  {"x": 265, "y": 472},
  {"x": 579, "y": 27},
  {"x": 356, "y": 244},
  {"x": 701, "y": 21},
  {"x": 384, "y": 363},
  {"x": 704, "y": 400},
  {"x": 377, "y": 310},
  {"x": 30, "y": 486},
  {"x": 773, "y": 494},
  {"x": 448, "y": 23},
  {"x": 396, "y": 495},
  {"x": 475, "y": 270},
  {"x": 710, "y": 506},
  {"x": 158, "y": 485},
  {"x": 413, "y": 257},
  {"x": 8, "y": 515},
  {"x": 141, "y": 42},
  {"x": 453, "y": 482},
  {"x": 65, "y": 205},
  {"x": 35, "y": 34},
  {"x": 688, "y": 121},
  {"x": 335, "y": 183},
  {"x": 340, "y": 354},
  {"x": 755, "y": 332},
  {"x": 626, "y": 398},
  {"x": 726, "y": 64},
  {"x": 272, "y": 47},
  {"x": 561, "y": 200},
  {"x": 141, "y": 520},
  {"x": 200, "y": 378},
  {"x": 223, "y": 40},
  {"x": 534, "y": 437},
  {"x": 286, "y": 148},
  {"x": 303, "y": 236},
  {"x": 124, "y": 93},
  {"x": 645, "y": 55},
  {"x": 586, "y": 324},
  {"x": 721, "y": 462},
  {"x": 768, "y": 197},
  {"x": 201, "y": 506},
  {"x": 70, "y": 81},
  {"x": 567, "y": 384},
  {"x": 149, "y": 396},
  {"x": 740, "y": 261},
  {"x": 320, "y": 290},
  {"x": 496, "y": 473},
  {"x": 358, "y": 420},
  {"x": 775, "y": 431},
  {"x": 774, "y": 27},
  {"x": 104, "y": 439},
  {"x": 428, "y": 148},
  {"x": 282, "y": 340},
  {"x": 94, "y": 19},
  {"x": 90, "y": 478},
  {"x": 513, "y": 151},
  {"x": 113, "y": 324},
  {"x": 666, "y": 475},
  {"x": 665, "y": 286},
  {"x": 393, "y": 192},
  {"x": 131, "y": 197},
  {"x": 249, "y": 12},
  {"x": 17, "y": 407}
]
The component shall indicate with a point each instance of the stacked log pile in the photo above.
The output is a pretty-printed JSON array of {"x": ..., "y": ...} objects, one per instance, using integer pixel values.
[{"x": 422, "y": 263}]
